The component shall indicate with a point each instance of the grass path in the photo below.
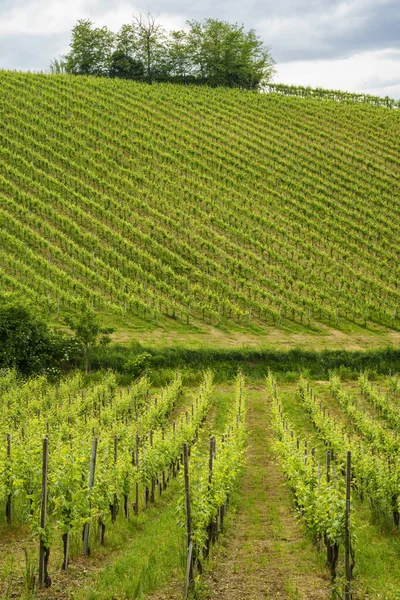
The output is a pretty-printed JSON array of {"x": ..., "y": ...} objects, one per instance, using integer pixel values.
[{"x": 264, "y": 554}]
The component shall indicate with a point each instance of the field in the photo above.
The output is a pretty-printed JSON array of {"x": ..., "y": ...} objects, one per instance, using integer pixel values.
[
  {"x": 218, "y": 213},
  {"x": 279, "y": 506},
  {"x": 245, "y": 249},
  {"x": 88, "y": 470}
]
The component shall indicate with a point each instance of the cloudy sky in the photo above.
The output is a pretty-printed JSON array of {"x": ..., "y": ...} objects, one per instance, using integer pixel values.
[{"x": 352, "y": 45}]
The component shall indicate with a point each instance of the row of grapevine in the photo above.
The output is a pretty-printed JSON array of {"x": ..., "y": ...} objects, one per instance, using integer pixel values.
[
  {"x": 61, "y": 480},
  {"x": 324, "y": 94},
  {"x": 209, "y": 481},
  {"x": 320, "y": 496},
  {"x": 376, "y": 474}
]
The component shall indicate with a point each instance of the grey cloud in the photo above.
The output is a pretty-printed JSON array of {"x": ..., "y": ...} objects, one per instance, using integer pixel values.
[
  {"x": 338, "y": 36},
  {"x": 367, "y": 25},
  {"x": 237, "y": 10}
]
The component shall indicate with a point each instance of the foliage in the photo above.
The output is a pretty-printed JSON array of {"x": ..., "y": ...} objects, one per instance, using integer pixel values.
[
  {"x": 338, "y": 95},
  {"x": 91, "y": 50},
  {"x": 88, "y": 333},
  {"x": 211, "y": 490},
  {"x": 375, "y": 461},
  {"x": 149, "y": 43},
  {"x": 226, "y": 55},
  {"x": 69, "y": 414},
  {"x": 26, "y": 341},
  {"x": 225, "y": 362},
  {"x": 321, "y": 501},
  {"x": 57, "y": 66},
  {"x": 213, "y": 52},
  {"x": 125, "y": 67},
  {"x": 138, "y": 364}
]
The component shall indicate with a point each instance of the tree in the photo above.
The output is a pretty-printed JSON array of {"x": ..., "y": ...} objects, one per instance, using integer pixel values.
[
  {"x": 178, "y": 59},
  {"x": 227, "y": 55},
  {"x": 91, "y": 50},
  {"x": 26, "y": 342},
  {"x": 123, "y": 66},
  {"x": 213, "y": 52},
  {"x": 88, "y": 333},
  {"x": 149, "y": 43}
]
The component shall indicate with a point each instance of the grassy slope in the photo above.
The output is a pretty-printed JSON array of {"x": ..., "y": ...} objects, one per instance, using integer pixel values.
[{"x": 259, "y": 219}]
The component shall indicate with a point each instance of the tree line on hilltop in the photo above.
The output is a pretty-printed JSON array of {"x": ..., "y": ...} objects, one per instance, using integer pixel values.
[{"x": 213, "y": 52}]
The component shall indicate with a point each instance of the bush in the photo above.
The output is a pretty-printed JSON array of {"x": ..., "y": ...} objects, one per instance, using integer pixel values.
[
  {"x": 137, "y": 365},
  {"x": 26, "y": 342}
]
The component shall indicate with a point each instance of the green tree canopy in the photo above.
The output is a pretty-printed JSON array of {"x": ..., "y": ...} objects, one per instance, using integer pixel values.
[
  {"x": 123, "y": 66},
  {"x": 91, "y": 50},
  {"x": 226, "y": 55},
  {"x": 212, "y": 52},
  {"x": 88, "y": 333},
  {"x": 26, "y": 342}
]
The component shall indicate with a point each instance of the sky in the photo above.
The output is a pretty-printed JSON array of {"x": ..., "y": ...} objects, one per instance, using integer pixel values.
[{"x": 353, "y": 45}]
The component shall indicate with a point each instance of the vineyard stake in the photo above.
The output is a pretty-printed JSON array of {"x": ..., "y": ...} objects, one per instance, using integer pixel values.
[
  {"x": 114, "y": 507},
  {"x": 44, "y": 552},
  {"x": 65, "y": 539},
  {"x": 189, "y": 577},
  {"x": 9, "y": 497},
  {"x": 137, "y": 483},
  {"x": 328, "y": 479},
  {"x": 86, "y": 529},
  {"x": 211, "y": 459},
  {"x": 347, "y": 549}
]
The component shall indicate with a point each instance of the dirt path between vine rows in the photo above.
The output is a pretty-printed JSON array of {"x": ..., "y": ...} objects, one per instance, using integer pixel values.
[{"x": 264, "y": 553}]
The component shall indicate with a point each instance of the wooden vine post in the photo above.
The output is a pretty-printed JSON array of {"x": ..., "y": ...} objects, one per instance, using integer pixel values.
[
  {"x": 347, "y": 541},
  {"x": 328, "y": 478},
  {"x": 211, "y": 459},
  {"x": 153, "y": 483},
  {"x": 164, "y": 482},
  {"x": 44, "y": 550},
  {"x": 86, "y": 529},
  {"x": 136, "y": 510},
  {"x": 189, "y": 568},
  {"x": 114, "y": 506},
  {"x": 9, "y": 497},
  {"x": 66, "y": 541}
]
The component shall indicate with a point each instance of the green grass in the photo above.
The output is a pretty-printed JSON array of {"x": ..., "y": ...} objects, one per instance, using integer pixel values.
[
  {"x": 151, "y": 557},
  {"x": 264, "y": 545}
]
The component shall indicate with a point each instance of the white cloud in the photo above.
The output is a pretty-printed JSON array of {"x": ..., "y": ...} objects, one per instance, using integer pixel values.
[
  {"x": 368, "y": 72},
  {"x": 41, "y": 17}
]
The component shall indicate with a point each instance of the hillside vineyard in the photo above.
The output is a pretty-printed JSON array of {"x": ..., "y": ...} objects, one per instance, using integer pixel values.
[{"x": 198, "y": 203}]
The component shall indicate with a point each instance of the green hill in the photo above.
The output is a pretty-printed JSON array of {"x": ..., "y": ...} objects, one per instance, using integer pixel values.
[{"x": 199, "y": 204}]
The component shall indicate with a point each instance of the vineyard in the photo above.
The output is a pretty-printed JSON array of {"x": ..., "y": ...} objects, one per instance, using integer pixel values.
[
  {"x": 77, "y": 460},
  {"x": 185, "y": 472},
  {"x": 198, "y": 205},
  {"x": 106, "y": 483},
  {"x": 332, "y": 435}
]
